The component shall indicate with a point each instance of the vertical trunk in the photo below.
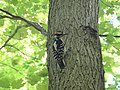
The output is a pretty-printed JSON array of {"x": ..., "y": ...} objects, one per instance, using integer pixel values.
[{"x": 83, "y": 70}]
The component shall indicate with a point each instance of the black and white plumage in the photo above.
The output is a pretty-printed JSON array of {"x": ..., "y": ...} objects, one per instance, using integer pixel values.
[{"x": 58, "y": 49}]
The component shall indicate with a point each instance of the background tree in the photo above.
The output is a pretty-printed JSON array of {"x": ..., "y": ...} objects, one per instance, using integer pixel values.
[{"x": 22, "y": 53}]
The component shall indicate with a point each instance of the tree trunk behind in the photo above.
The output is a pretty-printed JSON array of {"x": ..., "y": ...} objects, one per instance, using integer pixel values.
[{"x": 83, "y": 59}]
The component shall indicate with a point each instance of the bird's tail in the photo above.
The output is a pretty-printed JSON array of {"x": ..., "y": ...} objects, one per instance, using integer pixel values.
[{"x": 61, "y": 63}]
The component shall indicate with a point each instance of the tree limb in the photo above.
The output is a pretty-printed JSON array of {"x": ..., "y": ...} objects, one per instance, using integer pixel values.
[
  {"x": 34, "y": 24},
  {"x": 10, "y": 37},
  {"x": 93, "y": 30}
]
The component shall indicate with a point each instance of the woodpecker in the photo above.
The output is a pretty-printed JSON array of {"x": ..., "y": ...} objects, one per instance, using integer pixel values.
[{"x": 58, "y": 49}]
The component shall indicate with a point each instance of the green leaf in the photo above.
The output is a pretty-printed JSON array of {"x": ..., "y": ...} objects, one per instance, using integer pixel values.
[
  {"x": 44, "y": 72},
  {"x": 16, "y": 84},
  {"x": 108, "y": 61},
  {"x": 118, "y": 52},
  {"x": 22, "y": 33},
  {"x": 110, "y": 38},
  {"x": 4, "y": 82},
  {"x": 14, "y": 2},
  {"x": 117, "y": 45},
  {"x": 1, "y": 22},
  {"x": 36, "y": 7},
  {"x": 118, "y": 18},
  {"x": 42, "y": 86},
  {"x": 111, "y": 87},
  {"x": 117, "y": 76},
  {"x": 34, "y": 78},
  {"x": 110, "y": 11}
]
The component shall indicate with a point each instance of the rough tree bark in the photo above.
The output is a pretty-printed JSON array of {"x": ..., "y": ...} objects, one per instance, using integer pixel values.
[{"x": 84, "y": 69}]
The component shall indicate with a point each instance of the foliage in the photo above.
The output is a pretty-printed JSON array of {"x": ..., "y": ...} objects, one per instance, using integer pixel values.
[
  {"x": 23, "y": 60},
  {"x": 109, "y": 24}
]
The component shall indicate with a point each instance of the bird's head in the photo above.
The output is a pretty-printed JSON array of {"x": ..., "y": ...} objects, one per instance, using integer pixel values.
[{"x": 58, "y": 34}]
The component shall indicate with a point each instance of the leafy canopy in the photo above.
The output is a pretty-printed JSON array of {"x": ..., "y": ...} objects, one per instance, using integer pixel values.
[
  {"x": 109, "y": 23},
  {"x": 23, "y": 59}
]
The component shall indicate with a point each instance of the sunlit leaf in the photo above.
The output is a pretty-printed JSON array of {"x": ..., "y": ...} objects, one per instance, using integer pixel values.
[
  {"x": 16, "y": 84},
  {"x": 1, "y": 22},
  {"x": 117, "y": 45},
  {"x": 4, "y": 82}
]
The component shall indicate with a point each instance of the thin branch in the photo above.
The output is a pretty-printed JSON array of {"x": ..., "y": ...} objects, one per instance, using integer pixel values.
[
  {"x": 17, "y": 49},
  {"x": 21, "y": 51},
  {"x": 99, "y": 34},
  {"x": 10, "y": 37},
  {"x": 108, "y": 35},
  {"x": 12, "y": 68},
  {"x": 35, "y": 25}
]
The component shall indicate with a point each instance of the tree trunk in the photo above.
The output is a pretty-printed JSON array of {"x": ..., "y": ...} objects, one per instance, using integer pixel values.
[{"x": 82, "y": 54}]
